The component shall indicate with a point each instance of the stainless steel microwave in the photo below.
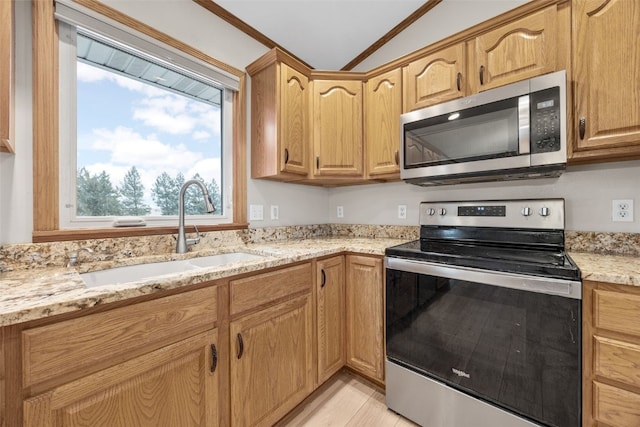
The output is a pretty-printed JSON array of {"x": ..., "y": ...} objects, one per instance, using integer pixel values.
[{"x": 510, "y": 132}]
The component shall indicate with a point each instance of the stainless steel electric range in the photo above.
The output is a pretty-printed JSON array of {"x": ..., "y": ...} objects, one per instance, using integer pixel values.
[{"x": 483, "y": 318}]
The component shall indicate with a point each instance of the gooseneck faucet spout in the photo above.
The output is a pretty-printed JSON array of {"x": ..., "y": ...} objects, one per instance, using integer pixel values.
[{"x": 183, "y": 243}]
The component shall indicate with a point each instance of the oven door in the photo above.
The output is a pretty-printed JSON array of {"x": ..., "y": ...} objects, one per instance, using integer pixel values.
[{"x": 509, "y": 340}]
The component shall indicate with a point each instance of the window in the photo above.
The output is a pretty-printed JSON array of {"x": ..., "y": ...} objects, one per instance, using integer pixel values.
[{"x": 134, "y": 126}]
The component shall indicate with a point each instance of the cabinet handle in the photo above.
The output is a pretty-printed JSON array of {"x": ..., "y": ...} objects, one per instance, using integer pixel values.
[
  {"x": 482, "y": 75},
  {"x": 582, "y": 127},
  {"x": 324, "y": 278},
  {"x": 317, "y": 162},
  {"x": 214, "y": 358},
  {"x": 240, "y": 346},
  {"x": 459, "y": 81},
  {"x": 397, "y": 157},
  {"x": 286, "y": 156}
]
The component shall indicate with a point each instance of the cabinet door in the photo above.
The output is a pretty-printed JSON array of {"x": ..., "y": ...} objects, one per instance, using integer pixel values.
[
  {"x": 606, "y": 79},
  {"x": 520, "y": 50},
  {"x": 365, "y": 316},
  {"x": 6, "y": 75},
  {"x": 435, "y": 78},
  {"x": 271, "y": 362},
  {"x": 176, "y": 385},
  {"x": 382, "y": 131},
  {"x": 294, "y": 133},
  {"x": 337, "y": 128},
  {"x": 330, "y": 308}
]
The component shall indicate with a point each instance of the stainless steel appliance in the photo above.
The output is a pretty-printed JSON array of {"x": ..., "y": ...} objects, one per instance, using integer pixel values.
[
  {"x": 483, "y": 318},
  {"x": 511, "y": 132}
]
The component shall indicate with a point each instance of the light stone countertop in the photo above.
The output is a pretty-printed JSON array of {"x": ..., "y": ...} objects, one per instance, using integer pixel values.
[
  {"x": 38, "y": 293},
  {"x": 618, "y": 269}
]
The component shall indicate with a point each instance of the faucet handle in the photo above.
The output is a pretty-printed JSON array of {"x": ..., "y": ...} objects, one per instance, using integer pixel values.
[{"x": 195, "y": 240}]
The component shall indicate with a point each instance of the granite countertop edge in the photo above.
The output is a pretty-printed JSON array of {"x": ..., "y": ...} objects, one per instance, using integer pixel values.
[{"x": 27, "y": 295}]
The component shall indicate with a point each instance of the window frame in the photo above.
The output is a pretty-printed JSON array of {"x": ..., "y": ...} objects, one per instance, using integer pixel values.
[{"x": 47, "y": 151}]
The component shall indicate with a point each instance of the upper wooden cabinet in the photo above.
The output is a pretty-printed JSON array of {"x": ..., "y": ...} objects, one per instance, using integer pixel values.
[
  {"x": 519, "y": 50},
  {"x": 6, "y": 76},
  {"x": 280, "y": 118},
  {"x": 436, "y": 78},
  {"x": 383, "y": 106},
  {"x": 337, "y": 128},
  {"x": 606, "y": 78}
]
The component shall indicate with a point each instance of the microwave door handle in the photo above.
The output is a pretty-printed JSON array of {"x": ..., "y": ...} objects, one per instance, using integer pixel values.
[{"x": 524, "y": 131}]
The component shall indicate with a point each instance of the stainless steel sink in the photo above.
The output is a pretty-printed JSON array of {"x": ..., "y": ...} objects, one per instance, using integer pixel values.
[{"x": 132, "y": 273}]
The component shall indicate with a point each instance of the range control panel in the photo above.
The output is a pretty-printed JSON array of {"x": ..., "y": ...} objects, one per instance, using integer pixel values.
[{"x": 526, "y": 213}]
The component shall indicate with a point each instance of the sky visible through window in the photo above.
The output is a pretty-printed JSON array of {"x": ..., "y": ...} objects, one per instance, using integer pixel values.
[{"x": 124, "y": 123}]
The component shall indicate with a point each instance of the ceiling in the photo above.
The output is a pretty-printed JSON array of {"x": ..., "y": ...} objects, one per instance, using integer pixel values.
[{"x": 326, "y": 34}]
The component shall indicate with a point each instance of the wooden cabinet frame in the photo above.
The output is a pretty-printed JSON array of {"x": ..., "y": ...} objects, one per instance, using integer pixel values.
[
  {"x": 46, "y": 221},
  {"x": 7, "y": 75}
]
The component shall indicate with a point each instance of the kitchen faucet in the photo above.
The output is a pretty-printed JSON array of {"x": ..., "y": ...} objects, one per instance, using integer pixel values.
[
  {"x": 183, "y": 243},
  {"x": 73, "y": 256}
]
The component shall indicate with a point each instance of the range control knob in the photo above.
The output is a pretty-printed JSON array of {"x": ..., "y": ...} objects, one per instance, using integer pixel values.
[
  {"x": 442, "y": 211},
  {"x": 544, "y": 211},
  {"x": 526, "y": 211},
  {"x": 431, "y": 212}
]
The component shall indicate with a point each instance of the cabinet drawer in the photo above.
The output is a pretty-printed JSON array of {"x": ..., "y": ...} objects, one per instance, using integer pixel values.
[
  {"x": 254, "y": 291},
  {"x": 617, "y": 311},
  {"x": 86, "y": 344},
  {"x": 615, "y": 407},
  {"x": 617, "y": 360}
]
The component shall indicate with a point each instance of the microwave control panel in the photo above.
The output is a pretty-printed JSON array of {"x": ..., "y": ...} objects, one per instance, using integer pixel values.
[{"x": 545, "y": 120}]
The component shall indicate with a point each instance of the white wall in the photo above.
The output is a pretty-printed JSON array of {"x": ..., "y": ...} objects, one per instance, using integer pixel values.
[
  {"x": 190, "y": 23},
  {"x": 587, "y": 190},
  {"x": 447, "y": 18},
  {"x": 16, "y": 183}
]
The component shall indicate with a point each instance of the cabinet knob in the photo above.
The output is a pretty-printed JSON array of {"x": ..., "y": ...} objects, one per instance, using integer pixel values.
[
  {"x": 317, "y": 162},
  {"x": 482, "y": 75},
  {"x": 286, "y": 156},
  {"x": 582, "y": 127},
  {"x": 397, "y": 157},
  {"x": 324, "y": 278},
  {"x": 459, "y": 81}
]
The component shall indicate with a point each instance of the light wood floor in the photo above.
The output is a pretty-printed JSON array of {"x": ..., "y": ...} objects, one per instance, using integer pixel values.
[{"x": 345, "y": 400}]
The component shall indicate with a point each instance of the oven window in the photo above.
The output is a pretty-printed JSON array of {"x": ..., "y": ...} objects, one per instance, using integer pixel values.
[
  {"x": 484, "y": 132},
  {"x": 516, "y": 349}
]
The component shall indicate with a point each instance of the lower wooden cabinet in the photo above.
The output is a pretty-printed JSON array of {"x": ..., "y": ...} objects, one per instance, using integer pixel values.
[
  {"x": 176, "y": 385},
  {"x": 330, "y": 308},
  {"x": 271, "y": 362},
  {"x": 365, "y": 316},
  {"x": 611, "y": 355}
]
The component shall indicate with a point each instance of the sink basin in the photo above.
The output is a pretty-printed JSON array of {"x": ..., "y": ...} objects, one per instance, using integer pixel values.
[
  {"x": 222, "y": 259},
  {"x": 131, "y": 273}
]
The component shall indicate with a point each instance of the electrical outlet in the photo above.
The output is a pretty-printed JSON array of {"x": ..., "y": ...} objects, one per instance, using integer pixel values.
[
  {"x": 402, "y": 211},
  {"x": 340, "y": 212},
  {"x": 622, "y": 210},
  {"x": 256, "y": 213},
  {"x": 275, "y": 212}
]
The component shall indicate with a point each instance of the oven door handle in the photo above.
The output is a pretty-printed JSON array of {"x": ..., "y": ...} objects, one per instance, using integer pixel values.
[{"x": 543, "y": 285}]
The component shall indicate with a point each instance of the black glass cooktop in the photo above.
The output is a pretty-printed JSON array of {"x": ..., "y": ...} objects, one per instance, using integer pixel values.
[{"x": 527, "y": 260}]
